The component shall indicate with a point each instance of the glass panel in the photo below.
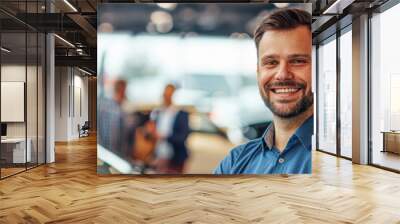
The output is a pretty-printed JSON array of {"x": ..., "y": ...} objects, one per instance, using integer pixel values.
[
  {"x": 346, "y": 94},
  {"x": 13, "y": 87},
  {"x": 31, "y": 97},
  {"x": 23, "y": 82},
  {"x": 41, "y": 98},
  {"x": 327, "y": 97},
  {"x": 385, "y": 84},
  {"x": 32, "y": 88}
]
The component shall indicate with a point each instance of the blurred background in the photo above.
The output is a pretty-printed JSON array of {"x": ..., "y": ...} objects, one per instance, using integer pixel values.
[{"x": 206, "y": 51}]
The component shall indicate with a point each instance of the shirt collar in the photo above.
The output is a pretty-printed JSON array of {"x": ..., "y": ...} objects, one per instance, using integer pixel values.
[
  {"x": 303, "y": 133},
  {"x": 268, "y": 136}
]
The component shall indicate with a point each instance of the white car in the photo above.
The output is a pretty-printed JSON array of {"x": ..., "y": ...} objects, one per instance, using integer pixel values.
[
  {"x": 236, "y": 114},
  {"x": 230, "y": 102}
]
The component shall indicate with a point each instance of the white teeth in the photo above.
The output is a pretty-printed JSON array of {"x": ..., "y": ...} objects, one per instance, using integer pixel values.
[{"x": 287, "y": 90}]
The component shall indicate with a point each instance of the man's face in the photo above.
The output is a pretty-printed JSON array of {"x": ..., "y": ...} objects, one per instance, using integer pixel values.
[
  {"x": 168, "y": 93},
  {"x": 119, "y": 91},
  {"x": 284, "y": 71}
]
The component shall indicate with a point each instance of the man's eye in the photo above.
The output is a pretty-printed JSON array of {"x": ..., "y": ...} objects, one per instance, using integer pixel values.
[
  {"x": 298, "y": 61},
  {"x": 271, "y": 63}
]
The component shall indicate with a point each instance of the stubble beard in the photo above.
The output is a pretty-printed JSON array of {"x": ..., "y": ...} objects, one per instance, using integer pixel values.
[{"x": 300, "y": 106}]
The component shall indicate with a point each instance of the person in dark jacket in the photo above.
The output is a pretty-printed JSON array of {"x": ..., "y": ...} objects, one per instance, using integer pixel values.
[{"x": 172, "y": 126}]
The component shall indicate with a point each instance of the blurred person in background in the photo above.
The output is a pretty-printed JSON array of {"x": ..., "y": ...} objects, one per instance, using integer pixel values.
[
  {"x": 172, "y": 130},
  {"x": 283, "y": 42},
  {"x": 113, "y": 134}
]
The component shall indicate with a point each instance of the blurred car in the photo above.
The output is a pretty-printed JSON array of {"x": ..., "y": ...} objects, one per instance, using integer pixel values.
[
  {"x": 199, "y": 90},
  {"x": 255, "y": 116},
  {"x": 244, "y": 117},
  {"x": 231, "y": 103}
]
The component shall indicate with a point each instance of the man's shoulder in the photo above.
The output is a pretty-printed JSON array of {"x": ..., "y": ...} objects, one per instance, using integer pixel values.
[
  {"x": 239, "y": 157},
  {"x": 182, "y": 112},
  {"x": 247, "y": 148}
]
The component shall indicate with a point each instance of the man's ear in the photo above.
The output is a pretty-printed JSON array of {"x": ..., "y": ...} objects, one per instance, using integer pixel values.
[{"x": 258, "y": 71}]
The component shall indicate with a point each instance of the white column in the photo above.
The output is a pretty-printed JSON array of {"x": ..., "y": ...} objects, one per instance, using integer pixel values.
[
  {"x": 360, "y": 90},
  {"x": 50, "y": 100},
  {"x": 50, "y": 92}
]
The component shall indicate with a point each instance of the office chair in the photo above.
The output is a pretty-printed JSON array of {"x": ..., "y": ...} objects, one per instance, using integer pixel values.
[{"x": 84, "y": 130}]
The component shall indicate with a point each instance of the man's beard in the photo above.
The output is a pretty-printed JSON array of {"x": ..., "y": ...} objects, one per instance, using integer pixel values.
[{"x": 301, "y": 106}]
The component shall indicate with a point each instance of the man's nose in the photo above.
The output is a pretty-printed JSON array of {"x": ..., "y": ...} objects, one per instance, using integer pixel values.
[{"x": 284, "y": 72}]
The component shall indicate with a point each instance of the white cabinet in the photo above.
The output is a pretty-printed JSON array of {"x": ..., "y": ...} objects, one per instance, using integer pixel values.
[{"x": 18, "y": 149}]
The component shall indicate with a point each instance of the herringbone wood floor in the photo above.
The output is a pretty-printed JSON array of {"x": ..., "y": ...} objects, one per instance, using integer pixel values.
[{"x": 69, "y": 191}]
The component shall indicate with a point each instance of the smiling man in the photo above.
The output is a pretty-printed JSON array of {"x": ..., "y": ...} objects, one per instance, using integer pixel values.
[{"x": 283, "y": 41}]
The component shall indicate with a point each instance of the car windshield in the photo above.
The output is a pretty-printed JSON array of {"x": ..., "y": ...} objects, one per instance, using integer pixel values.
[{"x": 213, "y": 85}]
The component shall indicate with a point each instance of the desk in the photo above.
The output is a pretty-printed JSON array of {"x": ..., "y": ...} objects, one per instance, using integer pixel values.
[
  {"x": 391, "y": 141},
  {"x": 15, "y": 148}
]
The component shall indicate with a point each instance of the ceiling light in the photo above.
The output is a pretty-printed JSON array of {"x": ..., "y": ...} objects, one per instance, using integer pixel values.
[
  {"x": 168, "y": 6},
  {"x": 64, "y": 40},
  {"x": 163, "y": 21},
  {"x": 338, "y": 6},
  {"x": 281, "y": 5},
  {"x": 84, "y": 71},
  {"x": 5, "y": 50},
  {"x": 70, "y": 5}
]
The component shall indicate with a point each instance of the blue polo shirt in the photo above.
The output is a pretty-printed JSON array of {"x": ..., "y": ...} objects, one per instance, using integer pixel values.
[{"x": 259, "y": 156}]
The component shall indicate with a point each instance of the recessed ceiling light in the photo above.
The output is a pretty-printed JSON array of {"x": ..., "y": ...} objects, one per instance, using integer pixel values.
[
  {"x": 281, "y": 5},
  {"x": 70, "y": 5},
  {"x": 338, "y": 6},
  {"x": 5, "y": 50},
  {"x": 168, "y": 6},
  {"x": 84, "y": 71},
  {"x": 65, "y": 41}
]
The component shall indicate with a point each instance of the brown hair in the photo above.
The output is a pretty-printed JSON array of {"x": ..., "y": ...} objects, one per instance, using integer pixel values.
[
  {"x": 171, "y": 85},
  {"x": 119, "y": 85},
  {"x": 282, "y": 20}
]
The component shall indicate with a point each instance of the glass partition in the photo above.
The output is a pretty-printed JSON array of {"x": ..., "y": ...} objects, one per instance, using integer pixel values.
[
  {"x": 13, "y": 105},
  {"x": 32, "y": 86},
  {"x": 385, "y": 89},
  {"x": 346, "y": 93},
  {"x": 31, "y": 97},
  {"x": 22, "y": 88},
  {"x": 41, "y": 85},
  {"x": 327, "y": 96}
]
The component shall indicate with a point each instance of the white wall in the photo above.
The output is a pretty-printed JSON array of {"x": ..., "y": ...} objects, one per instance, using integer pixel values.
[
  {"x": 61, "y": 103},
  {"x": 70, "y": 83},
  {"x": 12, "y": 73}
]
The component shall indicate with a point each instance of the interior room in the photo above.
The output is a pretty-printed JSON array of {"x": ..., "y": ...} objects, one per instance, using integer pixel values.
[{"x": 22, "y": 99}]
